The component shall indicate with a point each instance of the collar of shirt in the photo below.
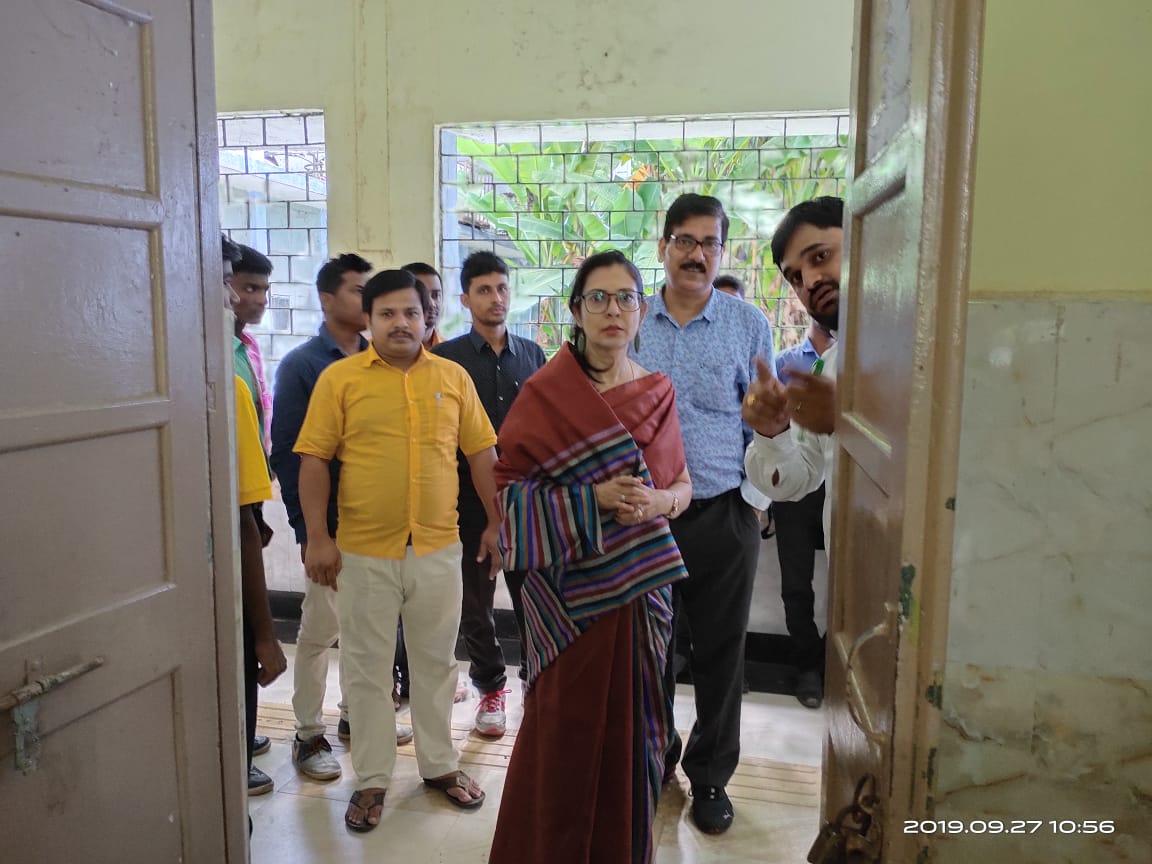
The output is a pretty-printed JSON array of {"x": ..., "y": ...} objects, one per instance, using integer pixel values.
[
  {"x": 798, "y": 356},
  {"x": 658, "y": 307},
  {"x": 478, "y": 342},
  {"x": 330, "y": 343},
  {"x": 371, "y": 357}
]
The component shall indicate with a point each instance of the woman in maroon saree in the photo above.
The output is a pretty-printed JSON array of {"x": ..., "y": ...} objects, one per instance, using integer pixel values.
[{"x": 592, "y": 467}]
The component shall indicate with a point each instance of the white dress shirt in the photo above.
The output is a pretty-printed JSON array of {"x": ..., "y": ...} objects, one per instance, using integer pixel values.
[{"x": 801, "y": 459}]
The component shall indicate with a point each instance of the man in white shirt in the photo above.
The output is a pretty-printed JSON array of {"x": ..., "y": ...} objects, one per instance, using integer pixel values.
[{"x": 793, "y": 449}]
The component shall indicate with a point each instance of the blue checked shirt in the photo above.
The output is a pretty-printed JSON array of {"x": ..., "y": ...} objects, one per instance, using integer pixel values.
[{"x": 711, "y": 361}]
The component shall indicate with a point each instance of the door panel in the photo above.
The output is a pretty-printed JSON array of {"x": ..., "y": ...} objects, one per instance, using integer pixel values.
[
  {"x": 899, "y": 387},
  {"x": 101, "y": 84},
  {"x": 138, "y": 817},
  {"x": 109, "y": 513},
  {"x": 83, "y": 578},
  {"x": 888, "y": 79},
  {"x": 80, "y": 368}
]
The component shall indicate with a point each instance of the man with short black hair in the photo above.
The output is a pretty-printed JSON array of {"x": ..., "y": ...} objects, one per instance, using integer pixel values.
[
  {"x": 250, "y": 282},
  {"x": 730, "y": 284},
  {"x": 799, "y": 534},
  {"x": 396, "y": 415},
  {"x": 339, "y": 284},
  {"x": 429, "y": 277},
  {"x": 264, "y": 659},
  {"x": 807, "y": 249},
  {"x": 708, "y": 343},
  {"x": 499, "y": 363}
]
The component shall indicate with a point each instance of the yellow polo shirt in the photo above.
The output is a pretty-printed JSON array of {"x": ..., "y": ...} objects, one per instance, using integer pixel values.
[
  {"x": 396, "y": 435},
  {"x": 252, "y": 481}
]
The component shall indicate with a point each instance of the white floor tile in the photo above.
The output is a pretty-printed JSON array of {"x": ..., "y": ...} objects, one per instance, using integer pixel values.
[{"x": 302, "y": 822}]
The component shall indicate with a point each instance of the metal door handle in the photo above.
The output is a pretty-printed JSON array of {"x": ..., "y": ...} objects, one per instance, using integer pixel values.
[
  {"x": 37, "y": 687},
  {"x": 854, "y": 695},
  {"x": 24, "y": 704}
]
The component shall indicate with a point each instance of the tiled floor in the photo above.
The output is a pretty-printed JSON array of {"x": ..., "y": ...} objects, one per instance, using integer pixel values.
[{"x": 775, "y": 793}]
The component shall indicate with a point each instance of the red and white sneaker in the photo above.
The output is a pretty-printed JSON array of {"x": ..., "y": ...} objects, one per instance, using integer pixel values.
[{"x": 491, "y": 717}]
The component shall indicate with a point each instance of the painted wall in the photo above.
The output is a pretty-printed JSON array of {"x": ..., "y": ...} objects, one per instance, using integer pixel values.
[
  {"x": 1047, "y": 704},
  {"x": 1062, "y": 166},
  {"x": 386, "y": 72}
]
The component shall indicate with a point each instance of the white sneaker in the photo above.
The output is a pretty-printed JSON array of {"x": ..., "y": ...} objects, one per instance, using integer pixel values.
[
  {"x": 403, "y": 733},
  {"x": 313, "y": 758},
  {"x": 491, "y": 718}
]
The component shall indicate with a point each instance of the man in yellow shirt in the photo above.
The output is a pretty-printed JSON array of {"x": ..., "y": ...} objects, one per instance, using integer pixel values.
[
  {"x": 395, "y": 416},
  {"x": 264, "y": 660}
]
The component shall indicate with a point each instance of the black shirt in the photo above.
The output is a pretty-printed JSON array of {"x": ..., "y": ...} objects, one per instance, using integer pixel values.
[{"x": 498, "y": 380}]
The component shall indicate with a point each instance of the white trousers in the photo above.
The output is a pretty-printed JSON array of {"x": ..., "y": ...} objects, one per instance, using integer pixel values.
[
  {"x": 319, "y": 629},
  {"x": 372, "y": 595}
]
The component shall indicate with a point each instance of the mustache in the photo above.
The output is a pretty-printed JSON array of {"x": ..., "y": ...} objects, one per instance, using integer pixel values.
[
  {"x": 824, "y": 286},
  {"x": 693, "y": 266},
  {"x": 392, "y": 333}
]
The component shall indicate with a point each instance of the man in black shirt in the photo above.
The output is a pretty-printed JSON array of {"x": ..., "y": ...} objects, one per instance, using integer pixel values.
[{"x": 499, "y": 363}]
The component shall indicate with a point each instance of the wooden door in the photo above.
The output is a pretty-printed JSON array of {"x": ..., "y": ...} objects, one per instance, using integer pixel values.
[
  {"x": 112, "y": 526},
  {"x": 899, "y": 380}
]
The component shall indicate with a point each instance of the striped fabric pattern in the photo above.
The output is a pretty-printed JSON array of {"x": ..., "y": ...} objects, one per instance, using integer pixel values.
[
  {"x": 654, "y": 631},
  {"x": 579, "y": 565}
]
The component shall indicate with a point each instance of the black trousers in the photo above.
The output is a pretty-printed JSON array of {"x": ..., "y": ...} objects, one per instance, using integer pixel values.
[
  {"x": 477, "y": 623},
  {"x": 719, "y": 539},
  {"x": 251, "y": 668},
  {"x": 799, "y": 533}
]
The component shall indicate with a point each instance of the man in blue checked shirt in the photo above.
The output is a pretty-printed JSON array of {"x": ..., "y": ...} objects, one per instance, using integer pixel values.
[{"x": 707, "y": 342}]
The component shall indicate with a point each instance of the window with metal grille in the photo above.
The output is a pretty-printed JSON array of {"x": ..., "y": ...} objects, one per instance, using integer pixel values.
[
  {"x": 544, "y": 195},
  {"x": 274, "y": 198}
]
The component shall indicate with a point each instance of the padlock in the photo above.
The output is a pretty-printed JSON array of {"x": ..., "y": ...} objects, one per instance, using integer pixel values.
[
  {"x": 854, "y": 836},
  {"x": 828, "y": 848}
]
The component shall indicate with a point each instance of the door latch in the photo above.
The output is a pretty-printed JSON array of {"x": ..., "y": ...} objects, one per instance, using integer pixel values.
[
  {"x": 24, "y": 703},
  {"x": 856, "y": 835}
]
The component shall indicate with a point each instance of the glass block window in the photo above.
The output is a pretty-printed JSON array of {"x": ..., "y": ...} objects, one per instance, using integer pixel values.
[
  {"x": 274, "y": 198},
  {"x": 544, "y": 195}
]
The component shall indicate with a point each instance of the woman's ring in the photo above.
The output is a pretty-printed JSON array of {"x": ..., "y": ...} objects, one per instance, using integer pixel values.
[
  {"x": 751, "y": 399},
  {"x": 623, "y": 499}
]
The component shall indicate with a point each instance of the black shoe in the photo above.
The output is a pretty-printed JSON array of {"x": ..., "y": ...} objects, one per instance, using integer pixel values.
[
  {"x": 810, "y": 688},
  {"x": 261, "y": 744},
  {"x": 711, "y": 809},
  {"x": 344, "y": 731},
  {"x": 259, "y": 783}
]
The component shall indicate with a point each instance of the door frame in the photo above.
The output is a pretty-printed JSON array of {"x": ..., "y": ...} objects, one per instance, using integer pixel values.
[
  {"x": 949, "y": 165},
  {"x": 950, "y": 92},
  {"x": 220, "y": 395}
]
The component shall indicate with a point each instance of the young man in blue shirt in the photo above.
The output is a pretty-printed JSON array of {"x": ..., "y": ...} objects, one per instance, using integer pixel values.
[{"x": 799, "y": 533}]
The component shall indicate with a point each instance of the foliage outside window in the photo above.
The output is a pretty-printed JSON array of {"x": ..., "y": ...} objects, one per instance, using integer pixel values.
[{"x": 545, "y": 195}]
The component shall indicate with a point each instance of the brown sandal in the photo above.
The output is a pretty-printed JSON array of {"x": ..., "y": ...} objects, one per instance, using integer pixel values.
[
  {"x": 458, "y": 780},
  {"x": 375, "y": 799}
]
